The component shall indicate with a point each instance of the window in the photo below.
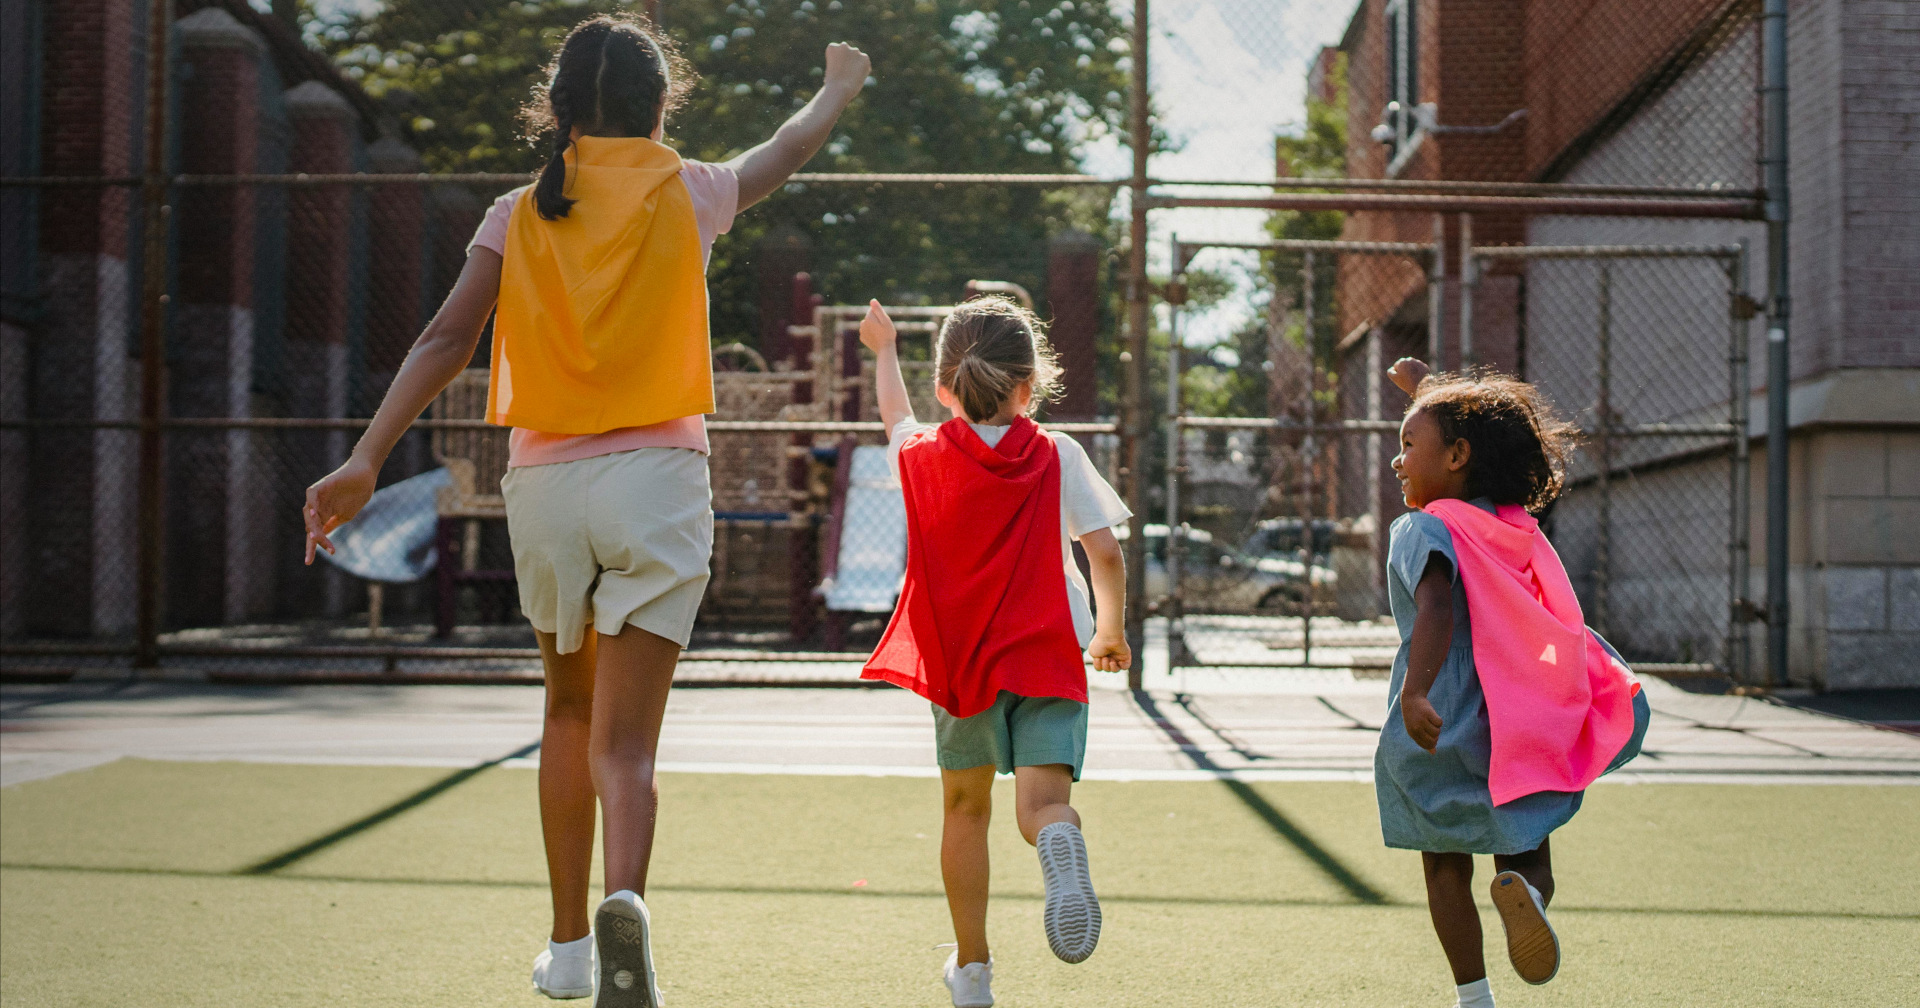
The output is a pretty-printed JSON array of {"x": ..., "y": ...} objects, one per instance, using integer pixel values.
[{"x": 1399, "y": 128}]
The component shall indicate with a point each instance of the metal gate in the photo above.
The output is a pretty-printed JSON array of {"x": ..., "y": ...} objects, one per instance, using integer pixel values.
[{"x": 1274, "y": 554}]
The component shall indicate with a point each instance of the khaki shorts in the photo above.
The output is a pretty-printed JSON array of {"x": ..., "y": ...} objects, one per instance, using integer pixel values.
[{"x": 612, "y": 541}]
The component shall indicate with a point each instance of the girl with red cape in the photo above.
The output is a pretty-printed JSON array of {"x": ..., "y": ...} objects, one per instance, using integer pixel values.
[{"x": 993, "y": 614}]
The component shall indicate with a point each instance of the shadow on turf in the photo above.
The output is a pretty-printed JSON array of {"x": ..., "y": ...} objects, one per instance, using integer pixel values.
[
  {"x": 316, "y": 845},
  {"x": 933, "y": 895},
  {"x": 1273, "y": 817}
]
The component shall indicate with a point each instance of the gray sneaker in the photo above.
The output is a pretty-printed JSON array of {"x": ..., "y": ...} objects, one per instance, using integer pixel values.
[{"x": 1072, "y": 915}]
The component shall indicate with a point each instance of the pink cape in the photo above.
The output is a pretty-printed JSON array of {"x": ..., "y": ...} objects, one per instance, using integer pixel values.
[{"x": 1560, "y": 707}]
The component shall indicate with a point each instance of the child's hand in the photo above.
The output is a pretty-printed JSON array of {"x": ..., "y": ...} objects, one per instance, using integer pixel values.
[
  {"x": 1407, "y": 372},
  {"x": 335, "y": 499},
  {"x": 847, "y": 68},
  {"x": 1423, "y": 722},
  {"x": 876, "y": 330},
  {"x": 1110, "y": 652}
]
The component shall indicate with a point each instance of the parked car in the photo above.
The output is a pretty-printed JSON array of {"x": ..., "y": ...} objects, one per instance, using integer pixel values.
[{"x": 1215, "y": 576}]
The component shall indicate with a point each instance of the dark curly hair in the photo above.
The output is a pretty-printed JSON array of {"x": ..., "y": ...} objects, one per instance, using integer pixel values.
[
  {"x": 615, "y": 75},
  {"x": 1519, "y": 444}
]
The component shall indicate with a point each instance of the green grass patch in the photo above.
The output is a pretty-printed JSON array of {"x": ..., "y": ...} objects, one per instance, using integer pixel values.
[{"x": 152, "y": 883}]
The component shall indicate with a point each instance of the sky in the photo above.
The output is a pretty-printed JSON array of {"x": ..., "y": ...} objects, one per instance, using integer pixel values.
[{"x": 1226, "y": 76}]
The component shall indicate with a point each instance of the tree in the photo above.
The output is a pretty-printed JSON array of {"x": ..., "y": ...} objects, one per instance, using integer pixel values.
[{"x": 993, "y": 85}]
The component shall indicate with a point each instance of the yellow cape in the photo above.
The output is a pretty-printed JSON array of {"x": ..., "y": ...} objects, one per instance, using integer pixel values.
[{"x": 602, "y": 320}]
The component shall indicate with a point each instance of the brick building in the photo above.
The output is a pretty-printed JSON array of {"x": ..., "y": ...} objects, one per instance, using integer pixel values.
[
  {"x": 1638, "y": 92},
  {"x": 284, "y": 301}
]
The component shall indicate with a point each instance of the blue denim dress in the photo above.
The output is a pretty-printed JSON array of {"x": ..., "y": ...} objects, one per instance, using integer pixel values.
[{"x": 1439, "y": 801}]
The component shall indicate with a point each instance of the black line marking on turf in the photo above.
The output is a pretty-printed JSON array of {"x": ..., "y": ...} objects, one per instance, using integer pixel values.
[
  {"x": 1273, "y": 817},
  {"x": 414, "y": 800},
  {"x": 1558, "y": 908}
]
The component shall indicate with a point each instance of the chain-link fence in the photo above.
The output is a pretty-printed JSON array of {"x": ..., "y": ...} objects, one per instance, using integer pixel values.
[
  {"x": 315, "y": 172},
  {"x": 1279, "y": 544}
]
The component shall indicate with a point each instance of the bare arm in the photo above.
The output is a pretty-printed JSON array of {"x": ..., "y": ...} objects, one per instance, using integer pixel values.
[
  {"x": 766, "y": 167},
  {"x": 1108, "y": 567},
  {"x": 437, "y": 357},
  {"x": 877, "y": 332},
  {"x": 1427, "y": 651}
]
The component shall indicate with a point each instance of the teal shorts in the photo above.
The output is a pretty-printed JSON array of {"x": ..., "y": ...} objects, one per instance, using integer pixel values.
[{"x": 1016, "y": 731}]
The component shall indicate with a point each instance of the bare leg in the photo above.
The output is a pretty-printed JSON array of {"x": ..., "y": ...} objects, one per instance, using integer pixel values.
[
  {"x": 1040, "y": 797},
  {"x": 631, "y": 678},
  {"x": 566, "y": 783},
  {"x": 1536, "y": 866},
  {"x": 1455, "y": 917},
  {"x": 968, "y": 799}
]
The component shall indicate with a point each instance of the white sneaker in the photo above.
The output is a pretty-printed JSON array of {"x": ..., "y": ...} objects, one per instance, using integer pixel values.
[
  {"x": 1531, "y": 944},
  {"x": 971, "y": 985},
  {"x": 565, "y": 969},
  {"x": 622, "y": 933},
  {"x": 1072, "y": 915}
]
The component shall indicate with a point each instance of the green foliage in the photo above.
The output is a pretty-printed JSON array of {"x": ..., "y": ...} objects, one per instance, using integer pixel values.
[{"x": 977, "y": 86}]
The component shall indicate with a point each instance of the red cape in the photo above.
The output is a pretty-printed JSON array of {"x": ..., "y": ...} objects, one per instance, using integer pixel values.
[{"x": 984, "y": 607}]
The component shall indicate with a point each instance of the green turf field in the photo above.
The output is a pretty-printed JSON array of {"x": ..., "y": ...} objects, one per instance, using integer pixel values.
[{"x": 146, "y": 883}]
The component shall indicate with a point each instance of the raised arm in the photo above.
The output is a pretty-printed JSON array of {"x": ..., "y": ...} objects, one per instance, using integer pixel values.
[
  {"x": 1407, "y": 373},
  {"x": 766, "y": 167},
  {"x": 437, "y": 357},
  {"x": 877, "y": 332}
]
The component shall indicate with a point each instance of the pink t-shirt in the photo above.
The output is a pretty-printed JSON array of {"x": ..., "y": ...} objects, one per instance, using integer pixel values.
[{"x": 715, "y": 190}]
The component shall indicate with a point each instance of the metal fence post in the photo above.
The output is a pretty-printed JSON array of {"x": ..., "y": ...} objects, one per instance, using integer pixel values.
[
  {"x": 1739, "y": 479},
  {"x": 1134, "y": 360},
  {"x": 153, "y": 336},
  {"x": 1436, "y": 291},
  {"x": 1375, "y": 367},
  {"x": 1773, "y": 163},
  {"x": 1603, "y": 441},
  {"x": 1308, "y": 449},
  {"x": 1469, "y": 276},
  {"x": 1176, "y": 450}
]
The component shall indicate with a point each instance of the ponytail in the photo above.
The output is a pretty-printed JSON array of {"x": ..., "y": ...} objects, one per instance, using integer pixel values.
[{"x": 988, "y": 346}]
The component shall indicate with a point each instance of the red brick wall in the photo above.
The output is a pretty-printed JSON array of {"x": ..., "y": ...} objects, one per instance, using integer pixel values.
[
  {"x": 1583, "y": 56},
  {"x": 219, "y": 135},
  {"x": 1073, "y": 304},
  {"x": 396, "y": 261},
  {"x": 317, "y": 224},
  {"x": 89, "y": 103}
]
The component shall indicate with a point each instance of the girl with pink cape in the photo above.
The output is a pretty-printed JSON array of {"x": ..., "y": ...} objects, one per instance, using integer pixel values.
[{"x": 1505, "y": 706}]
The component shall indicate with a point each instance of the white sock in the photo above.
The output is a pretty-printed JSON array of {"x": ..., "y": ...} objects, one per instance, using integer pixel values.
[
  {"x": 576, "y": 947},
  {"x": 1477, "y": 994}
]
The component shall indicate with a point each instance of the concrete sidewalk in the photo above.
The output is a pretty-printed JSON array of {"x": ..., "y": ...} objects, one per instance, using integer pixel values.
[{"x": 1270, "y": 724}]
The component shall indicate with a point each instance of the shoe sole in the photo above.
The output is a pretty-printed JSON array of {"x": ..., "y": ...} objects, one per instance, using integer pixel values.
[
  {"x": 1072, "y": 916},
  {"x": 623, "y": 936},
  {"x": 1532, "y": 946}
]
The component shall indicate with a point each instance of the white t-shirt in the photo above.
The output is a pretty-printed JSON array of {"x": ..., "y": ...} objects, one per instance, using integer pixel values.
[{"x": 1087, "y": 504}]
